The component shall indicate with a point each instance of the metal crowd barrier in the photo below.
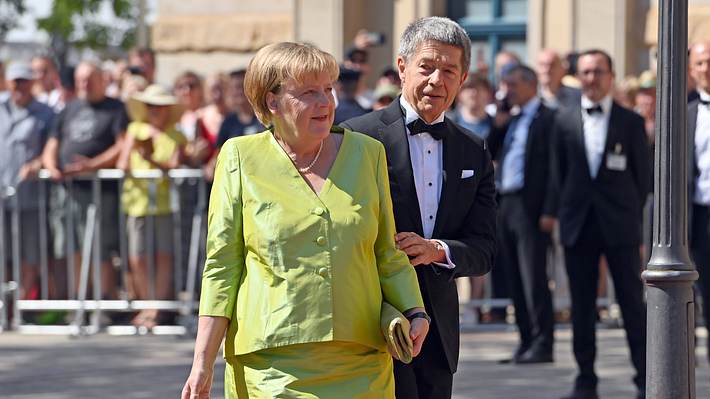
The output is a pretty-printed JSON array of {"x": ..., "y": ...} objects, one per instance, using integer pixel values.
[
  {"x": 561, "y": 300},
  {"x": 77, "y": 300}
]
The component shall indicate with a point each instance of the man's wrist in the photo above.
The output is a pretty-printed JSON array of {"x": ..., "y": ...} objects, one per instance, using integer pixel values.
[{"x": 440, "y": 251}]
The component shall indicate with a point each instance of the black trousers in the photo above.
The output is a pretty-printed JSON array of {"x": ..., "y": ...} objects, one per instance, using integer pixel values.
[
  {"x": 582, "y": 262},
  {"x": 700, "y": 247},
  {"x": 428, "y": 376},
  {"x": 523, "y": 255}
]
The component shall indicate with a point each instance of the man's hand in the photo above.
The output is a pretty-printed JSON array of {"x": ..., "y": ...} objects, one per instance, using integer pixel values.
[
  {"x": 30, "y": 169},
  {"x": 55, "y": 174},
  {"x": 418, "y": 331},
  {"x": 79, "y": 164},
  {"x": 421, "y": 251},
  {"x": 547, "y": 223}
]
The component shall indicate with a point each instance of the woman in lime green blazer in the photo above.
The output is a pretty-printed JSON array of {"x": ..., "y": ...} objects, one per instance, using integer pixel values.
[{"x": 300, "y": 247}]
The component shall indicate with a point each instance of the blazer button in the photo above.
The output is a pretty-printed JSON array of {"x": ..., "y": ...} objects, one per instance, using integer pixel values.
[
  {"x": 321, "y": 241},
  {"x": 323, "y": 272},
  {"x": 319, "y": 211}
]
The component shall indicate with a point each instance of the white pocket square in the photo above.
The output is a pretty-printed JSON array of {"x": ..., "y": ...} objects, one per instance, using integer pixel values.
[{"x": 466, "y": 173}]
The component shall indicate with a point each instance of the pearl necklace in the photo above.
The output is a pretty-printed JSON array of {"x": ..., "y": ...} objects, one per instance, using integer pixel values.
[{"x": 307, "y": 168}]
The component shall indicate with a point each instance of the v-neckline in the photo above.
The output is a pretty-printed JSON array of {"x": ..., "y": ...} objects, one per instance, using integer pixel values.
[{"x": 327, "y": 182}]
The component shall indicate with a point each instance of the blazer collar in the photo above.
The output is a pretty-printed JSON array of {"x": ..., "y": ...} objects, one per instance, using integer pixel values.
[
  {"x": 393, "y": 135},
  {"x": 453, "y": 165}
]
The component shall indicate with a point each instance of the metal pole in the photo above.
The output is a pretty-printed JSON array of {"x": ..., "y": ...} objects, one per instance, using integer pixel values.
[
  {"x": 16, "y": 269},
  {"x": 3, "y": 264},
  {"x": 86, "y": 249},
  {"x": 176, "y": 188},
  {"x": 43, "y": 239},
  {"x": 70, "y": 208},
  {"x": 96, "y": 240},
  {"x": 670, "y": 274},
  {"x": 150, "y": 237}
]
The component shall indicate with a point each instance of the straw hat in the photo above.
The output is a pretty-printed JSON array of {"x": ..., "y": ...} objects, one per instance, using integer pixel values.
[
  {"x": 154, "y": 94},
  {"x": 647, "y": 80},
  {"x": 387, "y": 90}
]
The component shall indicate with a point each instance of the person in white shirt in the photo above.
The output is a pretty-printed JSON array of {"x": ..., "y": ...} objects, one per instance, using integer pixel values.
[
  {"x": 443, "y": 191},
  {"x": 699, "y": 170},
  {"x": 601, "y": 173}
]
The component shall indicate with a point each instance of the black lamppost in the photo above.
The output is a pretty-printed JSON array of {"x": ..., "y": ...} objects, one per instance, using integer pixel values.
[{"x": 670, "y": 274}]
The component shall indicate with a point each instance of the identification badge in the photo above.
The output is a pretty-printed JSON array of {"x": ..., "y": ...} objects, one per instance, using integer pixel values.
[{"x": 616, "y": 160}]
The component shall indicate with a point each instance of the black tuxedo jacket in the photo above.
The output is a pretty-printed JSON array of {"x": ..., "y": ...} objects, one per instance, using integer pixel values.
[
  {"x": 693, "y": 170},
  {"x": 616, "y": 196},
  {"x": 465, "y": 219},
  {"x": 569, "y": 96},
  {"x": 536, "y": 189}
]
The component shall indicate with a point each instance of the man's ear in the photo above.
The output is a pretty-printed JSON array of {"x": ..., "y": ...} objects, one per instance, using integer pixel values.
[
  {"x": 401, "y": 65},
  {"x": 464, "y": 76}
]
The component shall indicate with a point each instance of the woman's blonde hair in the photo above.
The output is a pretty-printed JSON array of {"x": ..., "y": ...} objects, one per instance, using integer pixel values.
[{"x": 275, "y": 63}]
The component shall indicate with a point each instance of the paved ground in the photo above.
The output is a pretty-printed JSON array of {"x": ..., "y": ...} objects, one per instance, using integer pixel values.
[{"x": 102, "y": 366}]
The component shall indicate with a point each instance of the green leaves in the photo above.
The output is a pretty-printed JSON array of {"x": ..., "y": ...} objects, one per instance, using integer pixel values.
[
  {"x": 76, "y": 22},
  {"x": 10, "y": 11}
]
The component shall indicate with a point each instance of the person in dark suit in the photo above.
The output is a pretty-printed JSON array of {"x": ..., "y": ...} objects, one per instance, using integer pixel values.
[
  {"x": 601, "y": 173},
  {"x": 346, "y": 89},
  {"x": 699, "y": 169},
  {"x": 443, "y": 190},
  {"x": 550, "y": 73},
  {"x": 521, "y": 146}
]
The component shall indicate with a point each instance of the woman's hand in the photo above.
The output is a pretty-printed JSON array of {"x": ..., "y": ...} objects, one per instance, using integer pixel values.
[
  {"x": 198, "y": 384},
  {"x": 418, "y": 331}
]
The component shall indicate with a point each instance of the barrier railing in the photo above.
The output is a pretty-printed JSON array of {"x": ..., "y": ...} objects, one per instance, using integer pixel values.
[
  {"x": 78, "y": 299},
  {"x": 185, "y": 270}
]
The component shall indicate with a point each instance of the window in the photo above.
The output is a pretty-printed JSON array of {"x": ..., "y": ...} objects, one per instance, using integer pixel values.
[{"x": 492, "y": 25}]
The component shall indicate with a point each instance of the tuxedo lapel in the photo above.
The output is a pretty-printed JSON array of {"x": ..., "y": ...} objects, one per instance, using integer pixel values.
[
  {"x": 394, "y": 137},
  {"x": 533, "y": 131},
  {"x": 692, "y": 123},
  {"x": 576, "y": 123},
  {"x": 612, "y": 133},
  {"x": 453, "y": 154}
]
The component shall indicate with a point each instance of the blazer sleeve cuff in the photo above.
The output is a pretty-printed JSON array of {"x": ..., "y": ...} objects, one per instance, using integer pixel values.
[{"x": 449, "y": 262}]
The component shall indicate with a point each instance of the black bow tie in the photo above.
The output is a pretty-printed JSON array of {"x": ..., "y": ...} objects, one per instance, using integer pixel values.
[
  {"x": 704, "y": 102},
  {"x": 438, "y": 130},
  {"x": 595, "y": 109}
]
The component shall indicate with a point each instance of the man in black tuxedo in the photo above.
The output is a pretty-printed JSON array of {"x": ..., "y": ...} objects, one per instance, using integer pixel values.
[
  {"x": 699, "y": 169},
  {"x": 521, "y": 146},
  {"x": 601, "y": 173},
  {"x": 443, "y": 192}
]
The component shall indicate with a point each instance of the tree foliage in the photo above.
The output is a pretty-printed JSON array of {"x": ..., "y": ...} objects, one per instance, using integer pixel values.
[
  {"x": 10, "y": 11},
  {"x": 75, "y": 23}
]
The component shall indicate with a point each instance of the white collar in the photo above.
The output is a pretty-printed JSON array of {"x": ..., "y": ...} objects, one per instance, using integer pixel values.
[
  {"x": 703, "y": 95},
  {"x": 410, "y": 114},
  {"x": 605, "y": 103}
]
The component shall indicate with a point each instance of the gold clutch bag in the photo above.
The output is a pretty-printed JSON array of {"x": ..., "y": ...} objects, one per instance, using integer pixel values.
[{"x": 395, "y": 328}]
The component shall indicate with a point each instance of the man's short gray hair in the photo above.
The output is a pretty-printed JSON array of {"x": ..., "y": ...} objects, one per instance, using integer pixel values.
[{"x": 439, "y": 29}]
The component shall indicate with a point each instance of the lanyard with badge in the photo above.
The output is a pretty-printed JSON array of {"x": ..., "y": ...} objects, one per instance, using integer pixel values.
[{"x": 616, "y": 160}]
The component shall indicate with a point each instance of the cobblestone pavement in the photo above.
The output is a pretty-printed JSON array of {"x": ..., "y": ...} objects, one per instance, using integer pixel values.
[{"x": 103, "y": 366}]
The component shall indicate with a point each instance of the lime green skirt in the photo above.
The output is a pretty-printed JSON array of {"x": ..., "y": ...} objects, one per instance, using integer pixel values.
[{"x": 321, "y": 370}]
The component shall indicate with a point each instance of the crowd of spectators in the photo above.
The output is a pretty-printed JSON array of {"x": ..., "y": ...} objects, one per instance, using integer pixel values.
[{"x": 94, "y": 115}]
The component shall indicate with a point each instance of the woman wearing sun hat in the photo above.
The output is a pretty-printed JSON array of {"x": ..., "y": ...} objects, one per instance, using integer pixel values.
[{"x": 152, "y": 142}]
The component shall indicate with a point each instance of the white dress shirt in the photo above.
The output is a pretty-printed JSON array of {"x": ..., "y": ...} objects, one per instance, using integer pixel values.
[
  {"x": 595, "y": 131},
  {"x": 512, "y": 168},
  {"x": 702, "y": 152},
  {"x": 427, "y": 156}
]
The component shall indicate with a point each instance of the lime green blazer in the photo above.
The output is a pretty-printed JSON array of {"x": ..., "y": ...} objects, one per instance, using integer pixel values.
[{"x": 287, "y": 266}]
